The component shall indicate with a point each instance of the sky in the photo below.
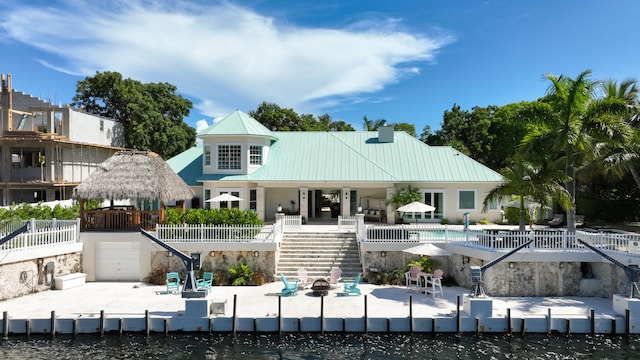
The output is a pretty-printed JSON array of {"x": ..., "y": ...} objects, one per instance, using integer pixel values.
[{"x": 402, "y": 61}]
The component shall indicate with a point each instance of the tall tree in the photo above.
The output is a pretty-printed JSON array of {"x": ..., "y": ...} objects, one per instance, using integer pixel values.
[
  {"x": 276, "y": 118},
  {"x": 572, "y": 122},
  {"x": 618, "y": 158},
  {"x": 151, "y": 114},
  {"x": 524, "y": 180}
]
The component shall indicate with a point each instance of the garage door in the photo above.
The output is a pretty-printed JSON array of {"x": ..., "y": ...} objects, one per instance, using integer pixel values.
[{"x": 117, "y": 261}]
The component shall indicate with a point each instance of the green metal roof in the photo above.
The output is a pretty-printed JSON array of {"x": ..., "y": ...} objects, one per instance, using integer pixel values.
[
  {"x": 188, "y": 165},
  {"x": 237, "y": 123},
  {"x": 350, "y": 157}
]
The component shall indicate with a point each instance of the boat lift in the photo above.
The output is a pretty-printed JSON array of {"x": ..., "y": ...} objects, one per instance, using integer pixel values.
[
  {"x": 189, "y": 289},
  {"x": 632, "y": 271},
  {"x": 15, "y": 233},
  {"x": 477, "y": 271}
]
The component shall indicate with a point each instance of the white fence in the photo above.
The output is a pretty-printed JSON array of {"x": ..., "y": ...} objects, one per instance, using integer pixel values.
[
  {"x": 503, "y": 239},
  {"x": 42, "y": 238},
  {"x": 292, "y": 223},
  {"x": 346, "y": 222},
  {"x": 217, "y": 233}
]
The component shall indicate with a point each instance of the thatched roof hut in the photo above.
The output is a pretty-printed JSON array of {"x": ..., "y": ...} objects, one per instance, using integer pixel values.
[{"x": 138, "y": 175}]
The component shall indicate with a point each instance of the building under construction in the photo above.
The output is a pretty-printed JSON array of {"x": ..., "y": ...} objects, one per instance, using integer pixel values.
[{"x": 47, "y": 149}]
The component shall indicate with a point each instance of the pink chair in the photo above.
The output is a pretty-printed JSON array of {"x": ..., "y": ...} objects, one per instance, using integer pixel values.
[
  {"x": 334, "y": 276},
  {"x": 303, "y": 277},
  {"x": 435, "y": 282},
  {"x": 412, "y": 278}
]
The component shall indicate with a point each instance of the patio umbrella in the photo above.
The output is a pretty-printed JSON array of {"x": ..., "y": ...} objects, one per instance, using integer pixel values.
[
  {"x": 427, "y": 249},
  {"x": 527, "y": 203},
  {"x": 416, "y": 207},
  {"x": 224, "y": 197}
]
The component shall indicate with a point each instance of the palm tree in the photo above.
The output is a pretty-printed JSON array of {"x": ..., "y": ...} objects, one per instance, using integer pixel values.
[
  {"x": 525, "y": 180},
  {"x": 618, "y": 158},
  {"x": 574, "y": 123},
  {"x": 371, "y": 125}
]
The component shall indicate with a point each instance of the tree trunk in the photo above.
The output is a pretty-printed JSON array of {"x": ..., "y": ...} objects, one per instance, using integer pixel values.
[{"x": 571, "y": 188}]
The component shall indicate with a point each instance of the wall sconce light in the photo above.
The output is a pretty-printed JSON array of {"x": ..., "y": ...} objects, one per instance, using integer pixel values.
[
  {"x": 359, "y": 209},
  {"x": 512, "y": 265},
  {"x": 383, "y": 254},
  {"x": 256, "y": 253},
  {"x": 561, "y": 265},
  {"x": 279, "y": 208},
  {"x": 212, "y": 253}
]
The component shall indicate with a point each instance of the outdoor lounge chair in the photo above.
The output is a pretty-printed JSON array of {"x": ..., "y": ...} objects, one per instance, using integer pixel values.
[
  {"x": 579, "y": 221},
  {"x": 290, "y": 288},
  {"x": 206, "y": 281},
  {"x": 334, "y": 277},
  {"x": 557, "y": 220},
  {"x": 173, "y": 282},
  {"x": 351, "y": 286},
  {"x": 412, "y": 278},
  {"x": 303, "y": 278},
  {"x": 434, "y": 283}
]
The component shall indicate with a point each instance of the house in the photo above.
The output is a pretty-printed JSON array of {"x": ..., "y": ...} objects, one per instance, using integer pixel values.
[
  {"x": 311, "y": 173},
  {"x": 45, "y": 149}
]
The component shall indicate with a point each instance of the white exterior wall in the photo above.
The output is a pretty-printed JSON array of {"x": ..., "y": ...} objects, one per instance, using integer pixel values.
[
  {"x": 79, "y": 161},
  {"x": 85, "y": 128}
]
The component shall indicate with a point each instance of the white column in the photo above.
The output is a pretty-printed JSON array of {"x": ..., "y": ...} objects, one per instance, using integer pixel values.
[
  {"x": 345, "y": 201},
  {"x": 391, "y": 212},
  {"x": 260, "y": 203},
  {"x": 304, "y": 201}
]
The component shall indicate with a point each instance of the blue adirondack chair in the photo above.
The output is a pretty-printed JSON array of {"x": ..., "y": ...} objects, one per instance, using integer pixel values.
[
  {"x": 173, "y": 282},
  {"x": 206, "y": 281},
  {"x": 351, "y": 286},
  {"x": 290, "y": 288}
]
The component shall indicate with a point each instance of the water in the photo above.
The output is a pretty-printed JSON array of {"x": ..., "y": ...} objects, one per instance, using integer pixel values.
[{"x": 317, "y": 346}]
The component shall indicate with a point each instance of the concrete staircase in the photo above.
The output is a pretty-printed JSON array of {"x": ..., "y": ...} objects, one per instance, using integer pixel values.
[{"x": 318, "y": 252}]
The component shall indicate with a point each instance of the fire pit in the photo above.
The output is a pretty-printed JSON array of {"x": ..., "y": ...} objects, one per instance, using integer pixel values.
[{"x": 320, "y": 287}]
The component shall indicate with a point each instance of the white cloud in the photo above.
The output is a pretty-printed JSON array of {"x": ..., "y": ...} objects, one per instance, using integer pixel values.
[{"x": 223, "y": 56}]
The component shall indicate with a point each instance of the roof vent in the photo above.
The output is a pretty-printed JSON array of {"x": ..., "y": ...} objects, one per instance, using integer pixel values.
[{"x": 385, "y": 134}]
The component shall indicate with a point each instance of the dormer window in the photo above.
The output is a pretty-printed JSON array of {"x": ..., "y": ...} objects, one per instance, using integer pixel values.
[
  {"x": 229, "y": 157},
  {"x": 255, "y": 155}
]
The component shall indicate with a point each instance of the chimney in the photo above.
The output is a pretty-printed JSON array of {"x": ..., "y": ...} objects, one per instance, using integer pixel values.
[{"x": 385, "y": 134}]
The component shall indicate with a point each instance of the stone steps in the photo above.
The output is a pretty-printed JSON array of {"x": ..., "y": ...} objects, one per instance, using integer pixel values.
[{"x": 318, "y": 252}]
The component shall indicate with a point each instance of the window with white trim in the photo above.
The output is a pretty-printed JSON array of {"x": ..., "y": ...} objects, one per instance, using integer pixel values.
[
  {"x": 466, "y": 199},
  {"x": 207, "y": 196},
  {"x": 229, "y": 157},
  {"x": 255, "y": 155},
  {"x": 207, "y": 155}
]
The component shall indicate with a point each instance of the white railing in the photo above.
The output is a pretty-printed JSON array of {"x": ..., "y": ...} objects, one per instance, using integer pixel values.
[
  {"x": 42, "y": 238},
  {"x": 502, "y": 240},
  {"x": 292, "y": 223},
  {"x": 346, "y": 222},
  {"x": 215, "y": 233}
]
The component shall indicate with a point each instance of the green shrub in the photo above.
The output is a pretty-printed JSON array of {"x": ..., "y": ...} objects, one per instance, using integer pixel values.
[
  {"x": 427, "y": 264},
  {"x": 239, "y": 274},
  {"x": 512, "y": 214},
  {"x": 222, "y": 216},
  {"x": 444, "y": 221},
  {"x": 483, "y": 222}
]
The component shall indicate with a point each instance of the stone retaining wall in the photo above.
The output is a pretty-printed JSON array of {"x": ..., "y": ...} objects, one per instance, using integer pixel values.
[{"x": 26, "y": 277}]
